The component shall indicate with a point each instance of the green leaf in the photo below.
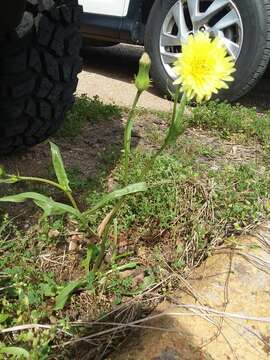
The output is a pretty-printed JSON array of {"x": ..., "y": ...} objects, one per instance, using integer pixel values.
[
  {"x": 128, "y": 266},
  {"x": 92, "y": 253},
  {"x": 48, "y": 205},
  {"x": 148, "y": 281},
  {"x": 48, "y": 290},
  {"x": 128, "y": 190},
  {"x": 3, "y": 318},
  {"x": 59, "y": 167},
  {"x": 16, "y": 351},
  {"x": 90, "y": 281},
  {"x": 62, "y": 298},
  {"x": 10, "y": 179}
]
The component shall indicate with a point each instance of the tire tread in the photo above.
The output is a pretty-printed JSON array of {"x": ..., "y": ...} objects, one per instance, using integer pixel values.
[{"x": 38, "y": 77}]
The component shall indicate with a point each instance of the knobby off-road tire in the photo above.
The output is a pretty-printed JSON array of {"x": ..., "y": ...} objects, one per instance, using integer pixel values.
[
  {"x": 252, "y": 61},
  {"x": 39, "y": 64}
]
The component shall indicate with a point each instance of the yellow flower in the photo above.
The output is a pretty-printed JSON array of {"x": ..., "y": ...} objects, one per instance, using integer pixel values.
[{"x": 203, "y": 67}]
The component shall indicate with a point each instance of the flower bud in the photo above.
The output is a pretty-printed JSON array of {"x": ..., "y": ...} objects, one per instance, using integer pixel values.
[{"x": 142, "y": 80}]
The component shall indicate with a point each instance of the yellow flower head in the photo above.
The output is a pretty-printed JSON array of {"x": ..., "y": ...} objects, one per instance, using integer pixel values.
[{"x": 203, "y": 67}]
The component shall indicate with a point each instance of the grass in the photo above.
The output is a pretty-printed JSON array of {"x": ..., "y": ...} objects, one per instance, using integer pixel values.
[
  {"x": 87, "y": 110},
  {"x": 192, "y": 203},
  {"x": 31, "y": 276},
  {"x": 221, "y": 118},
  {"x": 227, "y": 120},
  {"x": 191, "y": 208},
  {"x": 25, "y": 289},
  {"x": 77, "y": 181}
]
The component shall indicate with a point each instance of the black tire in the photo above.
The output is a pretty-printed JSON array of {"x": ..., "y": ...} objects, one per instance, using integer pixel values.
[
  {"x": 251, "y": 63},
  {"x": 39, "y": 63}
]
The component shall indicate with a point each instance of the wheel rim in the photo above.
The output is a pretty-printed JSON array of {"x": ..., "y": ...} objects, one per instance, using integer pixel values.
[{"x": 218, "y": 17}]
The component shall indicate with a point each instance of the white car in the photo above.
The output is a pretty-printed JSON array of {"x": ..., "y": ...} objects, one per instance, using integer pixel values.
[{"x": 162, "y": 25}]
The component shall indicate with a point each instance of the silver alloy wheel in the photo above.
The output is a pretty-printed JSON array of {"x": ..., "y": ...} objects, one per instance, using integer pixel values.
[{"x": 218, "y": 17}]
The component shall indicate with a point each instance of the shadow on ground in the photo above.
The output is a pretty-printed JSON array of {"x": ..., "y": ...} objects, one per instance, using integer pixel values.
[
  {"x": 166, "y": 341},
  {"x": 89, "y": 157}
]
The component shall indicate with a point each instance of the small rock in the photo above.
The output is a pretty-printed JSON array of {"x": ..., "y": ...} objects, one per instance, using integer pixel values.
[
  {"x": 73, "y": 246},
  {"x": 125, "y": 274},
  {"x": 138, "y": 280},
  {"x": 53, "y": 319},
  {"x": 75, "y": 241},
  {"x": 53, "y": 233}
]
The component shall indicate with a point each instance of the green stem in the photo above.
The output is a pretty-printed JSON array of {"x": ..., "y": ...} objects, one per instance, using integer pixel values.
[
  {"x": 127, "y": 149},
  {"x": 127, "y": 136},
  {"x": 51, "y": 183},
  {"x": 181, "y": 108},
  {"x": 177, "y": 125},
  {"x": 72, "y": 200},
  {"x": 177, "y": 114},
  {"x": 151, "y": 161},
  {"x": 115, "y": 240},
  {"x": 106, "y": 235},
  {"x": 176, "y": 99}
]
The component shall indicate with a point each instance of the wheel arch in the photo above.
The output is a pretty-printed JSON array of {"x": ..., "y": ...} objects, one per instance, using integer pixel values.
[
  {"x": 146, "y": 9},
  {"x": 139, "y": 11}
]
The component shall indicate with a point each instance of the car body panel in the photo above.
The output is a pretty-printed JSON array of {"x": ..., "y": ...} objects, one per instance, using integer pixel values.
[
  {"x": 106, "y": 20},
  {"x": 112, "y": 21},
  {"x": 106, "y": 7}
]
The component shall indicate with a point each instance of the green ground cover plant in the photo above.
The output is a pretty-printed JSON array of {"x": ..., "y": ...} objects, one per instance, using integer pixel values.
[{"x": 165, "y": 212}]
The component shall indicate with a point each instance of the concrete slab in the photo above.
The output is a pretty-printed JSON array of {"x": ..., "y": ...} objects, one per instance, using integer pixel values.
[
  {"x": 109, "y": 72},
  {"x": 236, "y": 283}
]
